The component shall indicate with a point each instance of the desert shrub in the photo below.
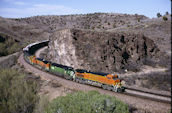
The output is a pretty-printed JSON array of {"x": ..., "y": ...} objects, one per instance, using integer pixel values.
[
  {"x": 2, "y": 50},
  {"x": 91, "y": 102},
  {"x": 14, "y": 48},
  {"x": 9, "y": 45},
  {"x": 165, "y": 18},
  {"x": 17, "y": 95},
  {"x": 166, "y": 13},
  {"x": 159, "y": 15}
]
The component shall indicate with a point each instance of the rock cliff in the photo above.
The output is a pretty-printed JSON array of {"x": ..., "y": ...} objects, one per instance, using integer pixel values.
[{"x": 100, "y": 51}]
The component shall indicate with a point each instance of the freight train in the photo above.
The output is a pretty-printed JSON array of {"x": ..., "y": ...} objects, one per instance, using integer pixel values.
[{"x": 104, "y": 80}]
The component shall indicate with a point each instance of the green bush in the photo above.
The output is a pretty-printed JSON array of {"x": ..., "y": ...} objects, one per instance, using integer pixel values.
[
  {"x": 2, "y": 50},
  {"x": 8, "y": 45},
  {"x": 166, "y": 13},
  {"x": 165, "y": 18},
  {"x": 91, "y": 102},
  {"x": 138, "y": 20},
  {"x": 17, "y": 95},
  {"x": 13, "y": 48},
  {"x": 159, "y": 15}
]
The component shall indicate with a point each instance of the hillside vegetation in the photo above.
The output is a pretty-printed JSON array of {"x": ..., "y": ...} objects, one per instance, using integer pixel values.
[
  {"x": 31, "y": 29},
  {"x": 17, "y": 95},
  {"x": 91, "y": 102},
  {"x": 8, "y": 45},
  {"x": 41, "y": 27}
]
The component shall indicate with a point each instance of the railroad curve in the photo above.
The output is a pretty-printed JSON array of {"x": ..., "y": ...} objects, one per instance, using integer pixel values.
[{"x": 128, "y": 97}]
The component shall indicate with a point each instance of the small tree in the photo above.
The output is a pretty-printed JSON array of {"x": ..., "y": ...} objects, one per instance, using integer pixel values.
[
  {"x": 167, "y": 13},
  {"x": 159, "y": 15},
  {"x": 17, "y": 95},
  {"x": 165, "y": 18}
]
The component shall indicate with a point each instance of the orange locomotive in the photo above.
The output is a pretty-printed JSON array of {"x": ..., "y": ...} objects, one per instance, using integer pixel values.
[
  {"x": 43, "y": 64},
  {"x": 104, "y": 80},
  {"x": 32, "y": 59}
]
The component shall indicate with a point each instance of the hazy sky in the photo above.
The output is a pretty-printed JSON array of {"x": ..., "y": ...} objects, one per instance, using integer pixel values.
[{"x": 26, "y": 8}]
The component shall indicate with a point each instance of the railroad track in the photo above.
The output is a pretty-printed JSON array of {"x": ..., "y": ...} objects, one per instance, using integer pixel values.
[{"x": 147, "y": 94}]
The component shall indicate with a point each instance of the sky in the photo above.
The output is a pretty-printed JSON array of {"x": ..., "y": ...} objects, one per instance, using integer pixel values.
[{"x": 27, "y": 8}]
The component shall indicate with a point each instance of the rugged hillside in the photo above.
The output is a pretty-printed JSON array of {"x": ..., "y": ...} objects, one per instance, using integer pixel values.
[
  {"x": 8, "y": 45},
  {"x": 21, "y": 31},
  {"x": 99, "y": 42},
  {"x": 35, "y": 28},
  {"x": 157, "y": 29},
  {"x": 41, "y": 27},
  {"x": 101, "y": 51},
  {"x": 95, "y": 21},
  {"x": 27, "y": 30}
]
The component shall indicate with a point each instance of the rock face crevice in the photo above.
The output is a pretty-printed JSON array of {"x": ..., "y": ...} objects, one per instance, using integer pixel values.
[{"x": 100, "y": 51}]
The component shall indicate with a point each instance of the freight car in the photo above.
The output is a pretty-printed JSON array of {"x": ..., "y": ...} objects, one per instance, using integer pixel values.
[
  {"x": 104, "y": 80},
  {"x": 31, "y": 48}
]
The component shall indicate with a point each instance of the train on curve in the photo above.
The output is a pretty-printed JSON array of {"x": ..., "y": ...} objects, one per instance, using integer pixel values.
[{"x": 105, "y": 80}]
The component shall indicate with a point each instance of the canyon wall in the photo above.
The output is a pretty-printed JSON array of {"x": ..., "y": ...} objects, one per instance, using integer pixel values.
[{"x": 100, "y": 51}]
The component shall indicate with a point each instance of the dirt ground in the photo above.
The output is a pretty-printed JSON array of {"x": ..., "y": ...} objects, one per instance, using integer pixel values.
[{"x": 52, "y": 89}]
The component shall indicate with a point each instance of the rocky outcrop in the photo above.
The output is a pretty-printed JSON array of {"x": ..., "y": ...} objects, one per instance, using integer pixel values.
[
  {"x": 62, "y": 50},
  {"x": 100, "y": 51}
]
